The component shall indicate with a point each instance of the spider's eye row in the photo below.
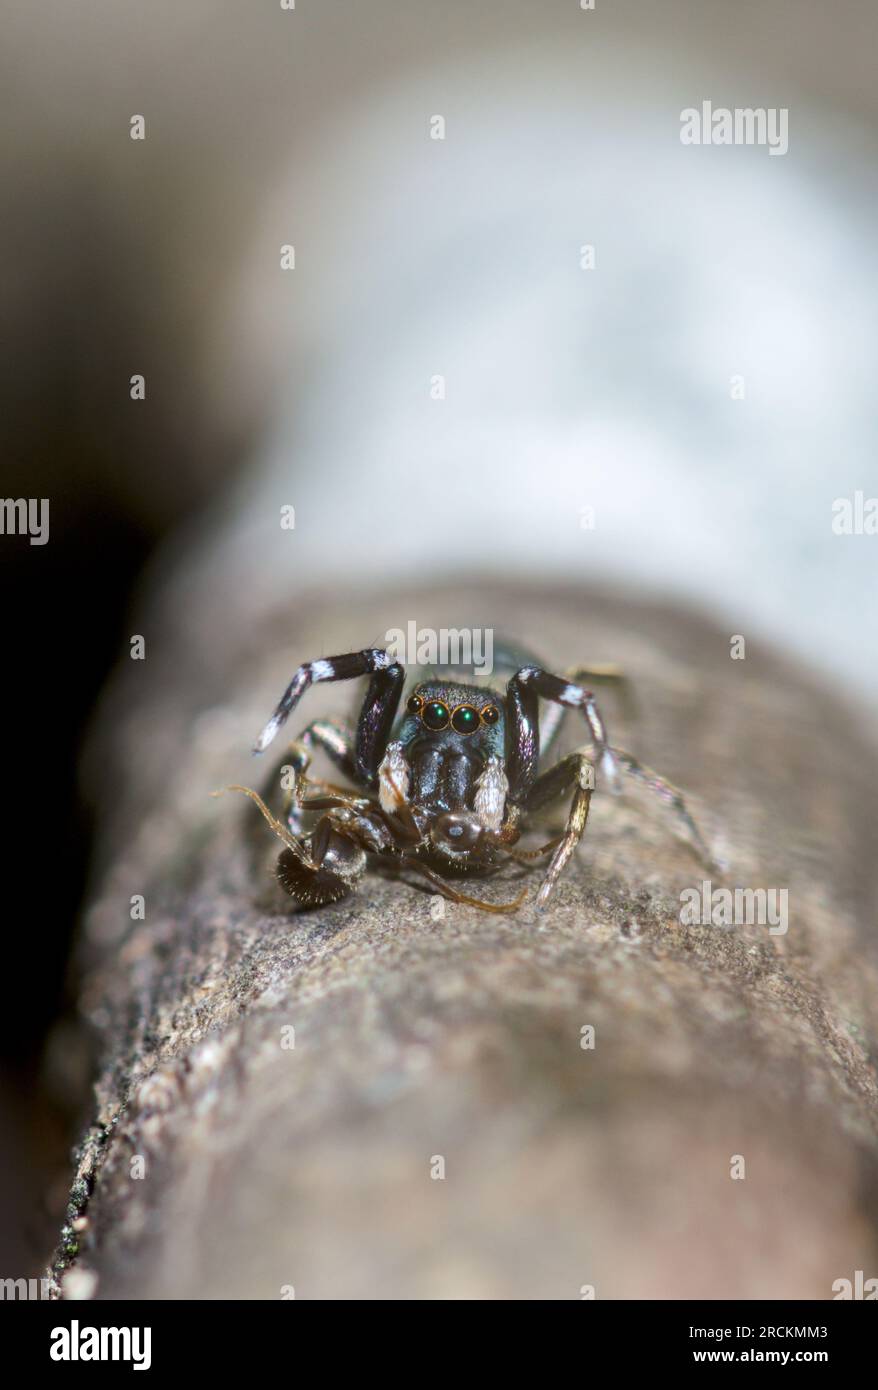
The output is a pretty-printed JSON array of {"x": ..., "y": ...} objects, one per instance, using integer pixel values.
[
  {"x": 465, "y": 719},
  {"x": 435, "y": 715}
]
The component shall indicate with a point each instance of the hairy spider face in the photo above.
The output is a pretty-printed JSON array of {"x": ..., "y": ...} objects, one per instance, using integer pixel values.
[
  {"x": 456, "y": 716},
  {"x": 447, "y": 736}
]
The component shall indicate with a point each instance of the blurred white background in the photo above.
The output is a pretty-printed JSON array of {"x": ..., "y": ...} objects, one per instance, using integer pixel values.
[{"x": 565, "y": 389}]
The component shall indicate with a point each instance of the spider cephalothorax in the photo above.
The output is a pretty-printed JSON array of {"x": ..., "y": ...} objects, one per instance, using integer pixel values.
[
  {"x": 448, "y": 759},
  {"x": 447, "y": 785}
]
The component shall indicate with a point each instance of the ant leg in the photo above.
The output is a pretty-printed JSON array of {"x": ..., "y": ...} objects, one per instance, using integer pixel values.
[
  {"x": 672, "y": 797},
  {"x": 378, "y": 709},
  {"x": 578, "y": 771},
  {"x": 524, "y": 691},
  {"x": 283, "y": 832},
  {"x": 453, "y": 895}
]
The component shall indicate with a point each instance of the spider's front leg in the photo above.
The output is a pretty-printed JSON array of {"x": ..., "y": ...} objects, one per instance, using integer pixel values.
[
  {"x": 376, "y": 715},
  {"x": 605, "y": 676},
  {"x": 524, "y": 691},
  {"x": 527, "y": 790}
]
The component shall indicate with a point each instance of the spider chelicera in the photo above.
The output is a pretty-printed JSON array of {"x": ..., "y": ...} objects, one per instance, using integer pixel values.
[{"x": 448, "y": 787}]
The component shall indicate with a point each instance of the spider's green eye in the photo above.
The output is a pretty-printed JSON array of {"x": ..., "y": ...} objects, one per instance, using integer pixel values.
[
  {"x": 435, "y": 715},
  {"x": 414, "y": 703},
  {"x": 465, "y": 719},
  {"x": 490, "y": 714}
]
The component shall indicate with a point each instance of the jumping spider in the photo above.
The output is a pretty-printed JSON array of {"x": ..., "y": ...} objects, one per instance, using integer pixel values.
[{"x": 450, "y": 789}]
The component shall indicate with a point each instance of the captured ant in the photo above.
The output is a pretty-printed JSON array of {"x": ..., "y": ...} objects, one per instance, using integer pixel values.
[{"x": 449, "y": 787}]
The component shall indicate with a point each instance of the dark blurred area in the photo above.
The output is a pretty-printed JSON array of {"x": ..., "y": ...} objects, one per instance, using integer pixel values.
[
  {"x": 88, "y": 298},
  {"x": 110, "y": 266},
  {"x": 118, "y": 475}
]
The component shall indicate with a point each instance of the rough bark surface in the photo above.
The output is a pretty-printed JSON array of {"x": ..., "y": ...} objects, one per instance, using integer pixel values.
[{"x": 269, "y": 1168}]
